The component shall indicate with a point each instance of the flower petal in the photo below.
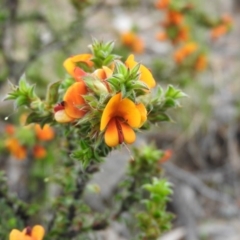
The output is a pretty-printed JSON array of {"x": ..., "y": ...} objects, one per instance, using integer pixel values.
[
  {"x": 70, "y": 63},
  {"x": 143, "y": 112},
  {"x": 16, "y": 235},
  {"x": 129, "y": 112},
  {"x": 110, "y": 110},
  {"x": 73, "y": 100},
  {"x": 38, "y": 232},
  {"x": 124, "y": 108},
  {"x": 107, "y": 71},
  {"x": 61, "y": 117},
  {"x": 145, "y": 74},
  {"x": 128, "y": 133},
  {"x": 78, "y": 73},
  {"x": 111, "y": 135}
]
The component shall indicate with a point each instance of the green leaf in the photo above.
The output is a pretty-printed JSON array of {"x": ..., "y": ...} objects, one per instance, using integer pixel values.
[{"x": 52, "y": 93}]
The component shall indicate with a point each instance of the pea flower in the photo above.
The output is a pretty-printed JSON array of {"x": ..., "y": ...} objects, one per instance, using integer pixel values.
[
  {"x": 119, "y": 118},
  {"x": 133, "y": 41},
  {"x": 185, "y": 51},
  {"x": 162, "y": 4},
  {"x": 174, "y": 18},
  {"x": 39, "y": 152},
  {"x": 70, "y": 64},
  {"x": 201, "y": 63},
  {"x": 16, "y": 149},
  {"x": 72, "y": 106},
  {"x": 28, "y": 233},
  {"x": 45, "y": 134},
  {"x": 9, "y": 129},
  {"x": 145, "y": 74}
]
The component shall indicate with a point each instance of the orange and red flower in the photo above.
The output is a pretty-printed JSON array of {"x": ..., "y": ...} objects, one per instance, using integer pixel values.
[
  {"x": 9, "y": 129},
  {"x": 162, "y": 4},
  {"x": 119, "y": 118},
  {"x": 73, "y": 105},
  {"x": 28, "y": 233},
  {"x": 39, "y": 152},
  {"x": 72, "y": 68},
  {"x": 166, "y": 156}
]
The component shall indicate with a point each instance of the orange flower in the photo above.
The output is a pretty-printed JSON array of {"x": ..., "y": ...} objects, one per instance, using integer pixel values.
[
  {"x": 45, "y": 134},
  {"x": 138, "y": 46},
  {"x": 219, "y": 31},
  {"x": 190, "y": 48},
  {"x": 39, "y": 151},
  {"x": 72, "y": 106},
  {"x": 145, "y": 74},
  {"x": 16, "y": 149},
  {"x": 183, "y": 34},
  {"x": 162, "y": 4},
  {"x": 174, "y": 17},
  {"x": 161, "y": 36},
  {"x": 118, "y": 119},
  {"x": 179, "y": 56},
  {"x": 70, "y": 64},
  {"x": 167, "y": 154},
  {"x": 9, "y": 129},
  {"x": 35, "y": 233},
  {"x": 201, "y": 63},
  {"x": 185, "y": 51},
  {"x": 227, "y": 19},
  {"x": 130, "y": 39}
]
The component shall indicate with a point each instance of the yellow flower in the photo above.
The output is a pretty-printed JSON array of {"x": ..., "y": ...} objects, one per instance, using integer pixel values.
[
  {"x": 70, "y": 64},
  {"x": 35, "y": 233},
  {"x": 145, "y": 74},
  {"x": 71, "y": 107},
  {"x": 118, "y": 119}
]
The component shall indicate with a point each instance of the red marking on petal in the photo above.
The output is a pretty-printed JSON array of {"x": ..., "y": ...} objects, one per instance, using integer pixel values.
[
  {"x": 59, "y": 106},
  {"x": 120, "y": 132},
  {"x": 28, "y": 231}
]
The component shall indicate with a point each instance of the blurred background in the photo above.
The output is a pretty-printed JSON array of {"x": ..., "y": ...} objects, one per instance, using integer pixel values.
[{"x": 203, "y": 139}]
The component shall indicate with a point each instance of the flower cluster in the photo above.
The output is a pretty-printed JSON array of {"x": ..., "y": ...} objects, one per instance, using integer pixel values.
[
  {"x": 222, "y": 27},
  {"x": 132, "y": 41},
  {"x": 23, "y": 140},
  {"x": 176, "y": 29},
  {"x": 180, "y": 20},
  {"x": 120, "y": 86},
  {"x": 101, "y": 103},
  {"x": 103, "y": 99}
]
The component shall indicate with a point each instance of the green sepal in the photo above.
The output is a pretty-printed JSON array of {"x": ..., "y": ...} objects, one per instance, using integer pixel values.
[{"x": 52, "y": 93}]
